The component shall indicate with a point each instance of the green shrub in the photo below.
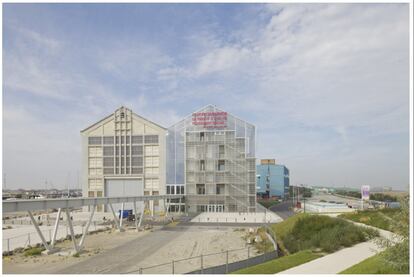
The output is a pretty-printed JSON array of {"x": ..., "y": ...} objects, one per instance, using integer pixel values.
[
  {"x": 33, "y": 251},
  {"x": 324, "y": 232},
  {"x": 382, "y": 219}
]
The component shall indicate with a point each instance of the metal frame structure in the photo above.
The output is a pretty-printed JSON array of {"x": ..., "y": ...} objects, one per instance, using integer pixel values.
[
  {"x": 193, "y": 158},
  {"x": 66, "y": 204}
]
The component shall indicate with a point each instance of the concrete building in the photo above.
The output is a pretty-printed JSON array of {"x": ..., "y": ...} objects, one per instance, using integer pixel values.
[
  {"x": 272, "y": 179},
  {"x": 124, "y": 155},
  {"x": 211, "y": 159}
]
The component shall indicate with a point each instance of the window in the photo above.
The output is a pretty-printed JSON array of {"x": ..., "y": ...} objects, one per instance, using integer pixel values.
[
  {"x": 201, "y": 136},
  {"x": 95, "y": 140},
  {"x": 201, "y": 188},
  {"x": 182, "y": 190},
  {"x": 220, "y": 189},
  {"x": 202, "y": 165},
  {"x": 108, "y": 140},
  {"x": 136, "y": 161},
  {"x": 172, "y": 190},
  {"x": 137, "y": 170},
  {"x": 99, "y": 193},
  {"x": 108, "y": 150},
  {"x": 91, "y": 194},
  {"x": 122, "y": 115},
  {"x": 151, "y": 139},
  {"x": 108, "y": 161},
  {"x": 136, "y": 139},
  {"x": 168, "y": 190},
  {"x": 137, "y": 150},
  {"x": 221, "y": 165},
  {"x": 109, "y": 170},
  {"x": 221, "y": 151}
]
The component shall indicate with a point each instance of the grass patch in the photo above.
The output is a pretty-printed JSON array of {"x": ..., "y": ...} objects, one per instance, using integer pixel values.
[
  {"x": 35, "y": 251},
  {"x": 378, "y": 218},
  {"x": 173, "y": 223},
  {"x": 325, "y": 233},
  {"x": 375, "y": 265},
  {"x": 280, "y": 264}
]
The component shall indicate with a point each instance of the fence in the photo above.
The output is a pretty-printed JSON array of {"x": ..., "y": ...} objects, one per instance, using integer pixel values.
[
  {"x": 220, "y": 262},
  {"x": 32, "y": 238}
]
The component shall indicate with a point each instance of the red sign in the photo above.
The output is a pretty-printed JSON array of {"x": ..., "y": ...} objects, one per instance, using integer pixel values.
[{"x": 210, "y": 119}]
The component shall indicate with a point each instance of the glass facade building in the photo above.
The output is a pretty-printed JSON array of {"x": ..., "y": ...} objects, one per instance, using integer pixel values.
[
  {"x": 276, "y": 176},
  {"x": 211, "y": 160}
]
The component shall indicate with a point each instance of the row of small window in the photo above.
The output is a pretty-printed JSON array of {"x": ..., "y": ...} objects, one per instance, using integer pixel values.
[
  {"x": 201, "y": 189},
  {"x": 175, "y": 189},
  {"x": 111, "y": 170},
  {"x": 135, "y": 161},
  {"x": 122, "y": 139},
  {"x": 220, "y": 165},
  {"x": 135, "y": 150}
]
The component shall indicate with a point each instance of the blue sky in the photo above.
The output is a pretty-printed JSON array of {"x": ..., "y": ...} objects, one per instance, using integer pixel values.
[{"x": 326, "y": 85}]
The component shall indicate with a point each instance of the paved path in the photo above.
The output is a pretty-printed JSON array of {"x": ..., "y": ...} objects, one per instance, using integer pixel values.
[
  {"x": 283, "y": 209},
  {"x": 344, "y": 258},
  {"x": 338, "y": 261}
]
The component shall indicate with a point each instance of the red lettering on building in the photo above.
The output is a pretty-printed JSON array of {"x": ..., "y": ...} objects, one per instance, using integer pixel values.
[{"x": 210, "y": 119}]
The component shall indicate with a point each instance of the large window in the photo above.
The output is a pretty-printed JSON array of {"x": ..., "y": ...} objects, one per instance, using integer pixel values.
[
  {"x": 220, "y": 189},
  {"x": 95, "y": 140},
  {"x": 221, "y": 151},
  {"x": 221, "y": 165},
  {"x": 108, "y": 140},
  {"x": 201, "y": 189}
]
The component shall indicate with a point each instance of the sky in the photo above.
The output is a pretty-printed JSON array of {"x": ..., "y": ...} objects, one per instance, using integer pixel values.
[{"x": 327, "y": 86}]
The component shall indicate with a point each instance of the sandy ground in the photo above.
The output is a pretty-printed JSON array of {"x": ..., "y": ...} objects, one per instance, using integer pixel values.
[
  {"x": 19, "y": 235},
  {"x": 114, "y": 252},
  {"x": 194, "y": 242},
  {"x": 258, "y": 217},
  {"x": 95, "y": 244}
]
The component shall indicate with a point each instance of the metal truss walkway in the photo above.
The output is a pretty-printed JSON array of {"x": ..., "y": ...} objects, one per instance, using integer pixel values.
[{"x": 66, "y": 204}]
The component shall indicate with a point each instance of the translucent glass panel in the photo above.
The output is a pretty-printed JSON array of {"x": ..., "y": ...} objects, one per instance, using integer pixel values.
[
  {"x": 151, "y": 150},
  {"x": 95, "y": 162}
]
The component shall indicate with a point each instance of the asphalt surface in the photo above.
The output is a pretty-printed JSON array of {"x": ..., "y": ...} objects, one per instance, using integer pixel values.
[
  {"x": 283, "y": 209},
  {"x": 119, "y": 259}
]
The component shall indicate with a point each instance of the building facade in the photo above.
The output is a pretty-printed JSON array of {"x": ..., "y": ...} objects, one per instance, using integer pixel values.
[
  {"x": 124, "y": 155},
  {"x": 211, "y": 160},
  {"x": 272, "y": 180}
]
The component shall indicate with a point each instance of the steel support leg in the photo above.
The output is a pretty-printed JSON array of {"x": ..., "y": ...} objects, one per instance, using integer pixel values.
[
  {"x": 72, "y": 233},
  {"x": 38, "y": 231},
  {"x": 115, "y": 218},
  {"x": 136, "y": 214},
  {"x": 168, "y": 207},
  {"x": 52, "y": 243},
  {"x": 122, "y": 215},
  {"x": 87, "y": 228},
  {"x": 142, "y": 214},
  {"x": 152, "y": 207}
]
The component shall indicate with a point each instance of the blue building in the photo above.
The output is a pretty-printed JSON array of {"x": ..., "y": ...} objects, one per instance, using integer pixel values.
[{"x": 272, "y": 179}]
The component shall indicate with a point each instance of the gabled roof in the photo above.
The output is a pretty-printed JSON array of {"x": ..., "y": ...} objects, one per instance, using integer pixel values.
[{"x": 109, "y": 116}]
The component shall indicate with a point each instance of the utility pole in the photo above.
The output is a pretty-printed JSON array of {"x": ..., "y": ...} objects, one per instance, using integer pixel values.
[{"x": 68, "y": 182}]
